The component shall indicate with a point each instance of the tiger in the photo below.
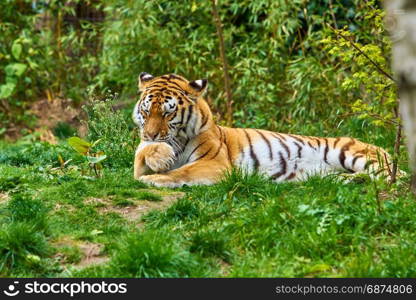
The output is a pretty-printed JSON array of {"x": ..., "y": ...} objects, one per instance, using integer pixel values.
[{"x": 181, "y": 144}]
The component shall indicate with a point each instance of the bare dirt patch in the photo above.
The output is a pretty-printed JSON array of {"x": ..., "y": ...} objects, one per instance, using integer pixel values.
[
  {"x": 51, "y": 112},
  {"x": 224, "y": 268},
  {"x": 133, "y": 213},
  {"x": 91, "y": 253},
  {"x": 48, "y": 113},
  {"x": 3, "y": 198},
  {"x": 65, "y": 207}
]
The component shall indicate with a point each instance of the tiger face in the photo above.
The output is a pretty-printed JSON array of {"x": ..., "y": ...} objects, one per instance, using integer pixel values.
[{"x": 165, "y": 110}]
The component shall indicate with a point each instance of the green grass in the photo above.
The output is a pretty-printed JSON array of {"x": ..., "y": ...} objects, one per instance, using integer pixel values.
[{"x": 245, "y": 226}]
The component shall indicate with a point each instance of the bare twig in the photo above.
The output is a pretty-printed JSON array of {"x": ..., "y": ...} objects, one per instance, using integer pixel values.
[
  {"x": 396, "y": 154},
  {"x": 227, "y": 83},
  {"x": 331, "y": 9}
]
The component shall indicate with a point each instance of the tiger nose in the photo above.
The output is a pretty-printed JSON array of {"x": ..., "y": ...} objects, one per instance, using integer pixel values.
[{"x": 152, "y": 135}]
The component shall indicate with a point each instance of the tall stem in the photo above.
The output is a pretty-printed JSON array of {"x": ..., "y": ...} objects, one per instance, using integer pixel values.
[{"x": 227, "y": 81}]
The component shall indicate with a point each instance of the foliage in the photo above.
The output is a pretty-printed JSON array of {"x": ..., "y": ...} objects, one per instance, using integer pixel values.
[
  {"x": 274, "y": 49},
  {"x": 46, "y": 51},
  {"x": 112, "y": 129},
  {"x": 93, "y": 159},
  {"x": 365, "y": 58}
]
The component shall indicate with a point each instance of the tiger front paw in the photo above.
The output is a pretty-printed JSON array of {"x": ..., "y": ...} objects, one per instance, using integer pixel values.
[
  {"x": 160, "y": 180},
  {"x": 160, "y": 157}
]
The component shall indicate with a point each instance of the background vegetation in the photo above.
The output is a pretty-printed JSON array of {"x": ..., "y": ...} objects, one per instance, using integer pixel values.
[{"x": 308, "y": 67}]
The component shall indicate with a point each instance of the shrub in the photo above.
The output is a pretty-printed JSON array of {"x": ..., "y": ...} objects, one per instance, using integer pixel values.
[{"x": 111, "y": 127}]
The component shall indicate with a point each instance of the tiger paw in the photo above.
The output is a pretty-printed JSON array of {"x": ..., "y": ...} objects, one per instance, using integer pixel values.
[
  {"x": 160, "y": 180},
  {"x": 159, "y": 157}
]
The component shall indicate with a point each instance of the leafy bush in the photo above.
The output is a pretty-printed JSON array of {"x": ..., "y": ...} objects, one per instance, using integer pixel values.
[
  {"x": 117, "y": 140},
  {"x": 46, "y": 51}
]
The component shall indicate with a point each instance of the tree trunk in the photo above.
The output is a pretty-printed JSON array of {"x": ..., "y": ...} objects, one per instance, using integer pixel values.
[{"x": 401, "y": 22}]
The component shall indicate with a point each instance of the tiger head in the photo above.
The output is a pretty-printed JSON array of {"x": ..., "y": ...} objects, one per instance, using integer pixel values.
[{"x": 168, "y": 108}]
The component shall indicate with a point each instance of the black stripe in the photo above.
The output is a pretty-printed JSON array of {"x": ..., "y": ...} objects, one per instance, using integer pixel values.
[
  {"x": 355, "y": 159},
  {"x": 220, "y": 133},
  {"x": 318, "y": 142},
  {"x": 290, "y": 176},
  {"x": 342, "y": 155},
  {"x": 183, "y": 114},
  {"x": 203, "y": 155},
  {"x": 186, "y": 143},
  {"x": 218, "y": 151},
  {"x": 280, "y": 135},
  {"x": 297, "y": 138},
  {"x": 252, "y": 154},
  {"x": 163, "y": 82},
  {"x": 177, "y": 85},
  {"x": 191, "y": 108},
  {"x": 276, "y": 135},
  {"x": 173, "y": 115},
  {"x": 336, "y": 142},
  {"x": 152, "y": 89},
  {"x": 220, "y": 146},
  {"x": 267, "y": 142},
  {"x": 283, "y": 167},
  {"x": 193, "y": 151},
  {"x": 310, "y": 145},
  {"x": 173, "y": 76},
  {"x": 299, "y": 149},
  {"x": 326, "y": 152}
]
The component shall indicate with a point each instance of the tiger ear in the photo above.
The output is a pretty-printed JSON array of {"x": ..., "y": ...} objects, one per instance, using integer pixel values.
[
  {"x": 143, "y": 80},
  {"x": 198, "y": 87}
]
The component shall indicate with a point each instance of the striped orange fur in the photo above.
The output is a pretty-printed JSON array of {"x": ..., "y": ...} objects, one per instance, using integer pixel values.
[{"x": 181, "y": 144}]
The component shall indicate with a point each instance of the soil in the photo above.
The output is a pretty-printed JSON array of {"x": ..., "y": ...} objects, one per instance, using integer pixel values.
[
  {"x": 133, "y": 213},
  {"x": 3, "y": 198},
  {"x": 91, "y": 252},
  {"x": 48, "y": 113}
]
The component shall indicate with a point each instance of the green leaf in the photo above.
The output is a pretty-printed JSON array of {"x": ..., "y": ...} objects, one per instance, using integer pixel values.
[
  {"x": 6, "y": 90},
  {"x": 96, "y": 160},
  {"x": 15, "y": 69},
  {"x": 16, "y": 50},
  {"x": 96, "y": 232},
  {"x": 79, "y": 145}
]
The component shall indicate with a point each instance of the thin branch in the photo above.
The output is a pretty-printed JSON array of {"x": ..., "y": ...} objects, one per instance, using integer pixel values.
[
  {"x": 227, "y": 82},
  {"x": 331, "y": 7},
  {"x": 396, "y": 154},
  {"x": 376, "y": 65}
]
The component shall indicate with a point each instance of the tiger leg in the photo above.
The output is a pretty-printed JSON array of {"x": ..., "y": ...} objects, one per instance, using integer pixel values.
[
  {"x": 375, "y": 163},
  {"x": 154, "y": 157},
  {"x": 197, "y": 173}
]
